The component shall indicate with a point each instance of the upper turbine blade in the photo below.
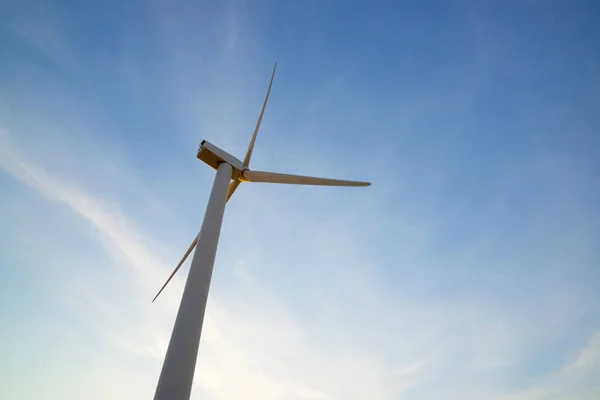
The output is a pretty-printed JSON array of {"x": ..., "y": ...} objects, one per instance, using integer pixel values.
[
  {"x": 262, "y": 112},
  {"x": 272, "y": 177}
]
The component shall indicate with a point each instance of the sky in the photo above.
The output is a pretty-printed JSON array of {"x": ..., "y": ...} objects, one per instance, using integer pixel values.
[{"x": 470, "y": 269}]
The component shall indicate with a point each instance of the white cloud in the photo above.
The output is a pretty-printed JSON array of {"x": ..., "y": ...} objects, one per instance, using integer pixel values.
[{"x": 588, "y": 358}]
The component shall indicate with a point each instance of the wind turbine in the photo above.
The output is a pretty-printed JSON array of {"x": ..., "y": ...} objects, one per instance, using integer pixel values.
[{"x": 177, "y": 374}]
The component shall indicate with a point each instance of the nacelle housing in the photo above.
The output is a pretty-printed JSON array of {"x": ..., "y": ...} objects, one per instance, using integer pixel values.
[{"x": 213, "y": 156}]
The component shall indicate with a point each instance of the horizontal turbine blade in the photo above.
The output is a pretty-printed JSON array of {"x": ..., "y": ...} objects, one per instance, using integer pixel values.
[{"x": 273, "y": 177}]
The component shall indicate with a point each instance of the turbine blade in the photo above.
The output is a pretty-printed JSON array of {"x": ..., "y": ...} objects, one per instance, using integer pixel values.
[
  {"x": 232, "y": 186},
  {"x": 262, "y": 112},
  {"x": 187, "y": 253},
  {"x": 272, "y": 177}
]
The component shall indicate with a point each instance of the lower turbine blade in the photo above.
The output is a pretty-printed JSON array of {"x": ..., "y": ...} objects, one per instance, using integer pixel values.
[
  {"x": 273, "y": 177},
  {"x": 185, "y": 256},
  {"x": 232, "y": 186}
]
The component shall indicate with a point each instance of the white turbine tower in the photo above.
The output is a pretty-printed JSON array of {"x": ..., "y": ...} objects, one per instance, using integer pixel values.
[{"x": 177, "y": 374}]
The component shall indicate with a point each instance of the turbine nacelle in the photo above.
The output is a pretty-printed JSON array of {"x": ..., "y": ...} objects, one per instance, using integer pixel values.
[{"x": 213, "y": 156}]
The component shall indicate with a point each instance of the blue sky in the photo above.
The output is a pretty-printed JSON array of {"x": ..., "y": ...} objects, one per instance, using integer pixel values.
[{"x": 469, "y": 269}]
